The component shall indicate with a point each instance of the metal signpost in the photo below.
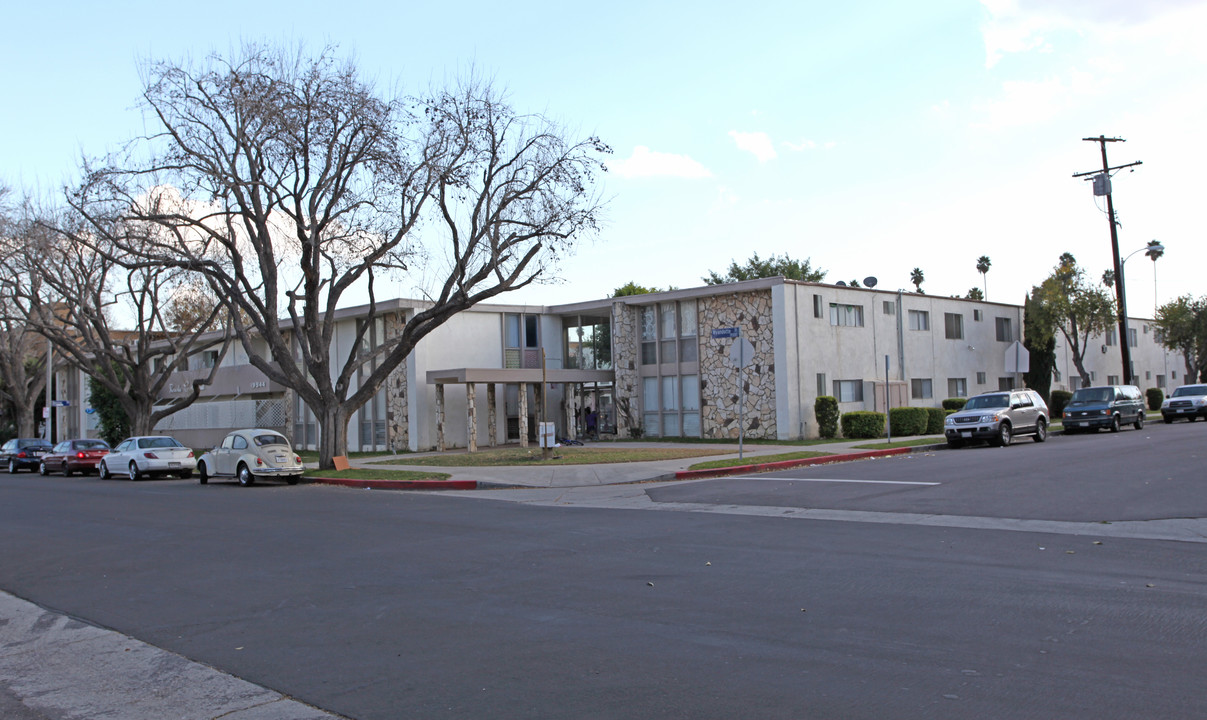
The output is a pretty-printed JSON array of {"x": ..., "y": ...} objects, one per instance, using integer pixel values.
[{"x": 742, "y": 354}]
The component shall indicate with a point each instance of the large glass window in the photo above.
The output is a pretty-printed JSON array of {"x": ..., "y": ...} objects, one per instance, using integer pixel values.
[
  {"x": 953, "y": 326},
  {"x": 670, "y": 336},
  {"x": 649, "y": 404},
  {"x": 688, "y": 343},
  {"x": 372, "y": 415},
  {"x": 649, "y": 336}
]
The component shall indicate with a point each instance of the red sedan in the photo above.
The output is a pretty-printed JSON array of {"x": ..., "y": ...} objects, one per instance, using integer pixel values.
[{"x": 72, "y": 456}]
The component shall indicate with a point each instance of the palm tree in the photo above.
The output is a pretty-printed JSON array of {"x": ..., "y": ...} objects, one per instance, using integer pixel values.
[
  {"x": 916, "y": 278},
  {"x": 982, "y": 266}
]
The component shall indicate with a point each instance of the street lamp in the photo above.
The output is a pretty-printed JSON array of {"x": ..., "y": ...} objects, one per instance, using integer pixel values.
[{"x": 1154, "y": 250}]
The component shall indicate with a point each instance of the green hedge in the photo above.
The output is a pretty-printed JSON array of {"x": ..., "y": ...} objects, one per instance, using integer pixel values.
[
  {"x": 825, "y": 408},
  {"x": 1060, "y": 398},
  {"x": 954, "y": 404},
  {"x": 935, "y": 418},
  {"x": 863, "y": 424},
  {"x": 907, "y": 421},
  {"x": 1155, "y": 396}
]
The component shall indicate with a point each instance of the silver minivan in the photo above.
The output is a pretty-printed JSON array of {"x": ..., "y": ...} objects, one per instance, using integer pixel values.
[{"x": 998, "y": 417}]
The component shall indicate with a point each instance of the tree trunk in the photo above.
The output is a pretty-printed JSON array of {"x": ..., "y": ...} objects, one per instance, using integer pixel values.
[
  {"x": 333, "y": 434},
  {"x": 26, "y": 424},
  {"x": 1078, "y": 362}
]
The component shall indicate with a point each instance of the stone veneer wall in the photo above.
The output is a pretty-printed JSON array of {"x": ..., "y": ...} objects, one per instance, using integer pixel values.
[
  {"x": 751, "y": 312},
  {"x": 397, "y": 421},
  {"x": 625, "y": 359}
]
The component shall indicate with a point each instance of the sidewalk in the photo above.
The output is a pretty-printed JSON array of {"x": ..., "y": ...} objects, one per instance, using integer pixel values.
[{"x": 561, "y": 476}]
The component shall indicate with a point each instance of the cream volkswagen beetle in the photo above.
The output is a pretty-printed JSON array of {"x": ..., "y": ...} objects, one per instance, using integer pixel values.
[{"x": 251, "y": 455}]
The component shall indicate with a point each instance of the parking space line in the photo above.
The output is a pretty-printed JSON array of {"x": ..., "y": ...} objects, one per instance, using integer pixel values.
[{"x": 829, "y": 480}]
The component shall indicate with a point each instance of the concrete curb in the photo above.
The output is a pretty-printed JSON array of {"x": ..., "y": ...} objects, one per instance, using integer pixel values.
[
  {"x": 401, "y": 484},
  {"x": 789, "y": 464}
]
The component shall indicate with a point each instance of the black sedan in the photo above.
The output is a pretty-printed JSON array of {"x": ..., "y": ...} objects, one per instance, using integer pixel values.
[{"x": 23, "y": 453}]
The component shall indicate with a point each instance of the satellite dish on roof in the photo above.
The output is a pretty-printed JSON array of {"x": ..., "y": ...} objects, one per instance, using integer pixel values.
[
  {"x": 841, "y": 283},
  {"x": 869, "y": 281}
]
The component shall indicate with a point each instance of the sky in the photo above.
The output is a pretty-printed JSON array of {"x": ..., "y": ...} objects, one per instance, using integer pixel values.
[{"x": 871, "y": 137}]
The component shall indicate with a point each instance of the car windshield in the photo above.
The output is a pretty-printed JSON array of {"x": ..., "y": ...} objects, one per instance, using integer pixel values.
[
  {"x": 1088, "y": 395},
  {"x": 158, "y": 442},
  {"x": 266, "y": 439},
  {"x": 984, "y": 402},
  {"x": 1190, "y": 390},
  {"x": 92, "y": 445},
  {"x": 31, "y": 443}
]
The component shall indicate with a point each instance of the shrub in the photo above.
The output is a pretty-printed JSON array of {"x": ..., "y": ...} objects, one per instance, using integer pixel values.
[
  {"x": 908, "y": 421},
  {"x": 1060, "y": 398},
  {"x": 935, "y": 418},
  {"x": 863, "y": 424},
  {"x": 825, "y": 408},
  {"x": 954, "y": 404},
  {"x": 1155, "y": 396}
]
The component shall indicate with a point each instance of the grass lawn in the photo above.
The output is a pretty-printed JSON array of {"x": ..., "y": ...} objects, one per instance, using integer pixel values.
[
  {"x": 757, "y": 460},
  {"x": 309, "y": 456},
  {"x": 557, "y": 456},
  {"x": 373, "y": 474}
]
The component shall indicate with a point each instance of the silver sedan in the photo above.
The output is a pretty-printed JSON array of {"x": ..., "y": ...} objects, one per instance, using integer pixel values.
[{"x": 157, "y": 455}]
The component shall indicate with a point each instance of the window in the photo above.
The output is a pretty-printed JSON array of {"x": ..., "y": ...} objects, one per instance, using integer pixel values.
[
  {"x": 1161, "y": 381},
  {"x": 1112, "y": 379},
  {"x": 1093, "y": 376},
  {"x": 920, "y": 388},
  {"x": 1056, "y": 375},
  {"x": 1148, "y": 374},
  {"x": 1006, "y": 383},
  {"x": 953, "y": 326},
  {"x": 649, "y": 405},
  {"x": 957, "y": 387},
  {"x": 669, "y": 333},
  {"x": 817, "y": 306},
  {"x": 1005, "y": 331},
  {"x": 1133, "y": 339},
  {"x": 1111, "y": 338},
  {"x": 649, "y": 336},
  {"x": 890, "y": 307},
  {"x": 846, "y": 315},
  {"x": 690, "y": 387},
  {"x": 919, "y": 320},
  {"x": 848, "y": 390},
  {"x": 1173, "y": 374},
  {"x": 980, "y": 378},
  {"x": 689, "y": 349},
  {"x": 239, "y": 443},
  {"x": 978, "y": 315},
  {"x": 821, "y": 384}
]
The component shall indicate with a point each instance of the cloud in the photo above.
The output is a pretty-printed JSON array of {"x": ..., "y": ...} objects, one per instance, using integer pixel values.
[
  {"x": 757, "y": 143},
  {"x": 647, "y": 163},
  {"x": 1024, "y": 103},
  {"x": 800, "y": 146}
]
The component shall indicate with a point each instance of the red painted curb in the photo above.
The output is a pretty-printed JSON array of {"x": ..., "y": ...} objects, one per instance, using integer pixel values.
[
  {"x": 788, "y": 464},
  {"x": 400, "y": 484}
]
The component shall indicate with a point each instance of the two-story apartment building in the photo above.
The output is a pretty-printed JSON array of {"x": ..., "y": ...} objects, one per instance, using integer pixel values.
[{"x": 659, "y": 364}]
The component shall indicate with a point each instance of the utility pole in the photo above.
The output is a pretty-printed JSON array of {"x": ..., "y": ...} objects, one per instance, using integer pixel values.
[{"x": 1102, "y": 186}]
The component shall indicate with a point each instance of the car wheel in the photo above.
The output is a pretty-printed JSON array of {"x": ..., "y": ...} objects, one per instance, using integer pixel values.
[
  {"x": 202, "y": 477},
  {"x": 1139, "y": 425},
  {"x": 12, "y": 467},
  {"x": 293, "y": 479},
  {"x": 1041, "y": 430},
  {"x": 42, "y": 469},
  {"x": 67, "y": 471},
  {"x": 134, "y": 474},
  {"x": 1003, "y": 435},
  {"x": 1168, "y": 420},
  {"x": 102, "y": 471},
  {"x": 1115, "y": 423},
  {"x": 245, "y": 476},
  {"x": 955, "y": 443}
]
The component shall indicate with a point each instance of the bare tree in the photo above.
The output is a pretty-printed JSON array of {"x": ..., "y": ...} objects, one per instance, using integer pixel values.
[
  {"x": 79, "y": 295},
  {"x": 287, "y": 182},
  {"x": 1066, "y": 301},
  {"x": 22, "y": 351}
]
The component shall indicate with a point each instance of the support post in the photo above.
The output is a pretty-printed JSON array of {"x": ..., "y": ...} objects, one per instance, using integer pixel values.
[
  {"x": 471, "y": 418},
  {"x": 523, "y": 415},
  {"x": 439, "y": 417},
  {"x": 492, "y": 421}
]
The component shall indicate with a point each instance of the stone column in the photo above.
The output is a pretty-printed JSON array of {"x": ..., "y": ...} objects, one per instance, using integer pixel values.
[
  {"x": 572, "y": 412},
  {"x": 439, "y": 417},
  {"x": 471, "y": 418},
  {"x": 492, "y": 421},
  {"x": 523, "y": 415}
]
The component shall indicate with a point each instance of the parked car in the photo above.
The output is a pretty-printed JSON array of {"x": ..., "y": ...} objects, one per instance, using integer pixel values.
[
  {"x": 1188, "y": 401},
  {"x": 998, "y": 417},
  {"x": 1109, "y": 406},
  {"x": 74, "y": 456},
  {"x": 251, "y": 455},
  {"x": 157, "y": 455},
  {"x": 23, "y": 453}
]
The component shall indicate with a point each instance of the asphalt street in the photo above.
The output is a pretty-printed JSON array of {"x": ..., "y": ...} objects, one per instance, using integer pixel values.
[{"x": 386, "y": 605}]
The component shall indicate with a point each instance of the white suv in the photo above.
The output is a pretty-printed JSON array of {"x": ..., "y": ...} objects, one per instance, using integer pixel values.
[
  {"x": 1188, "y": 401},
  {"x": 998, "y": 417}
]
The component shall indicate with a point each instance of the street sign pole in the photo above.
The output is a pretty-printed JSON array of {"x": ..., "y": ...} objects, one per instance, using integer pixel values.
[
  {"x": 741, "y": 401},
  {"x": 888, "y": 403}
]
